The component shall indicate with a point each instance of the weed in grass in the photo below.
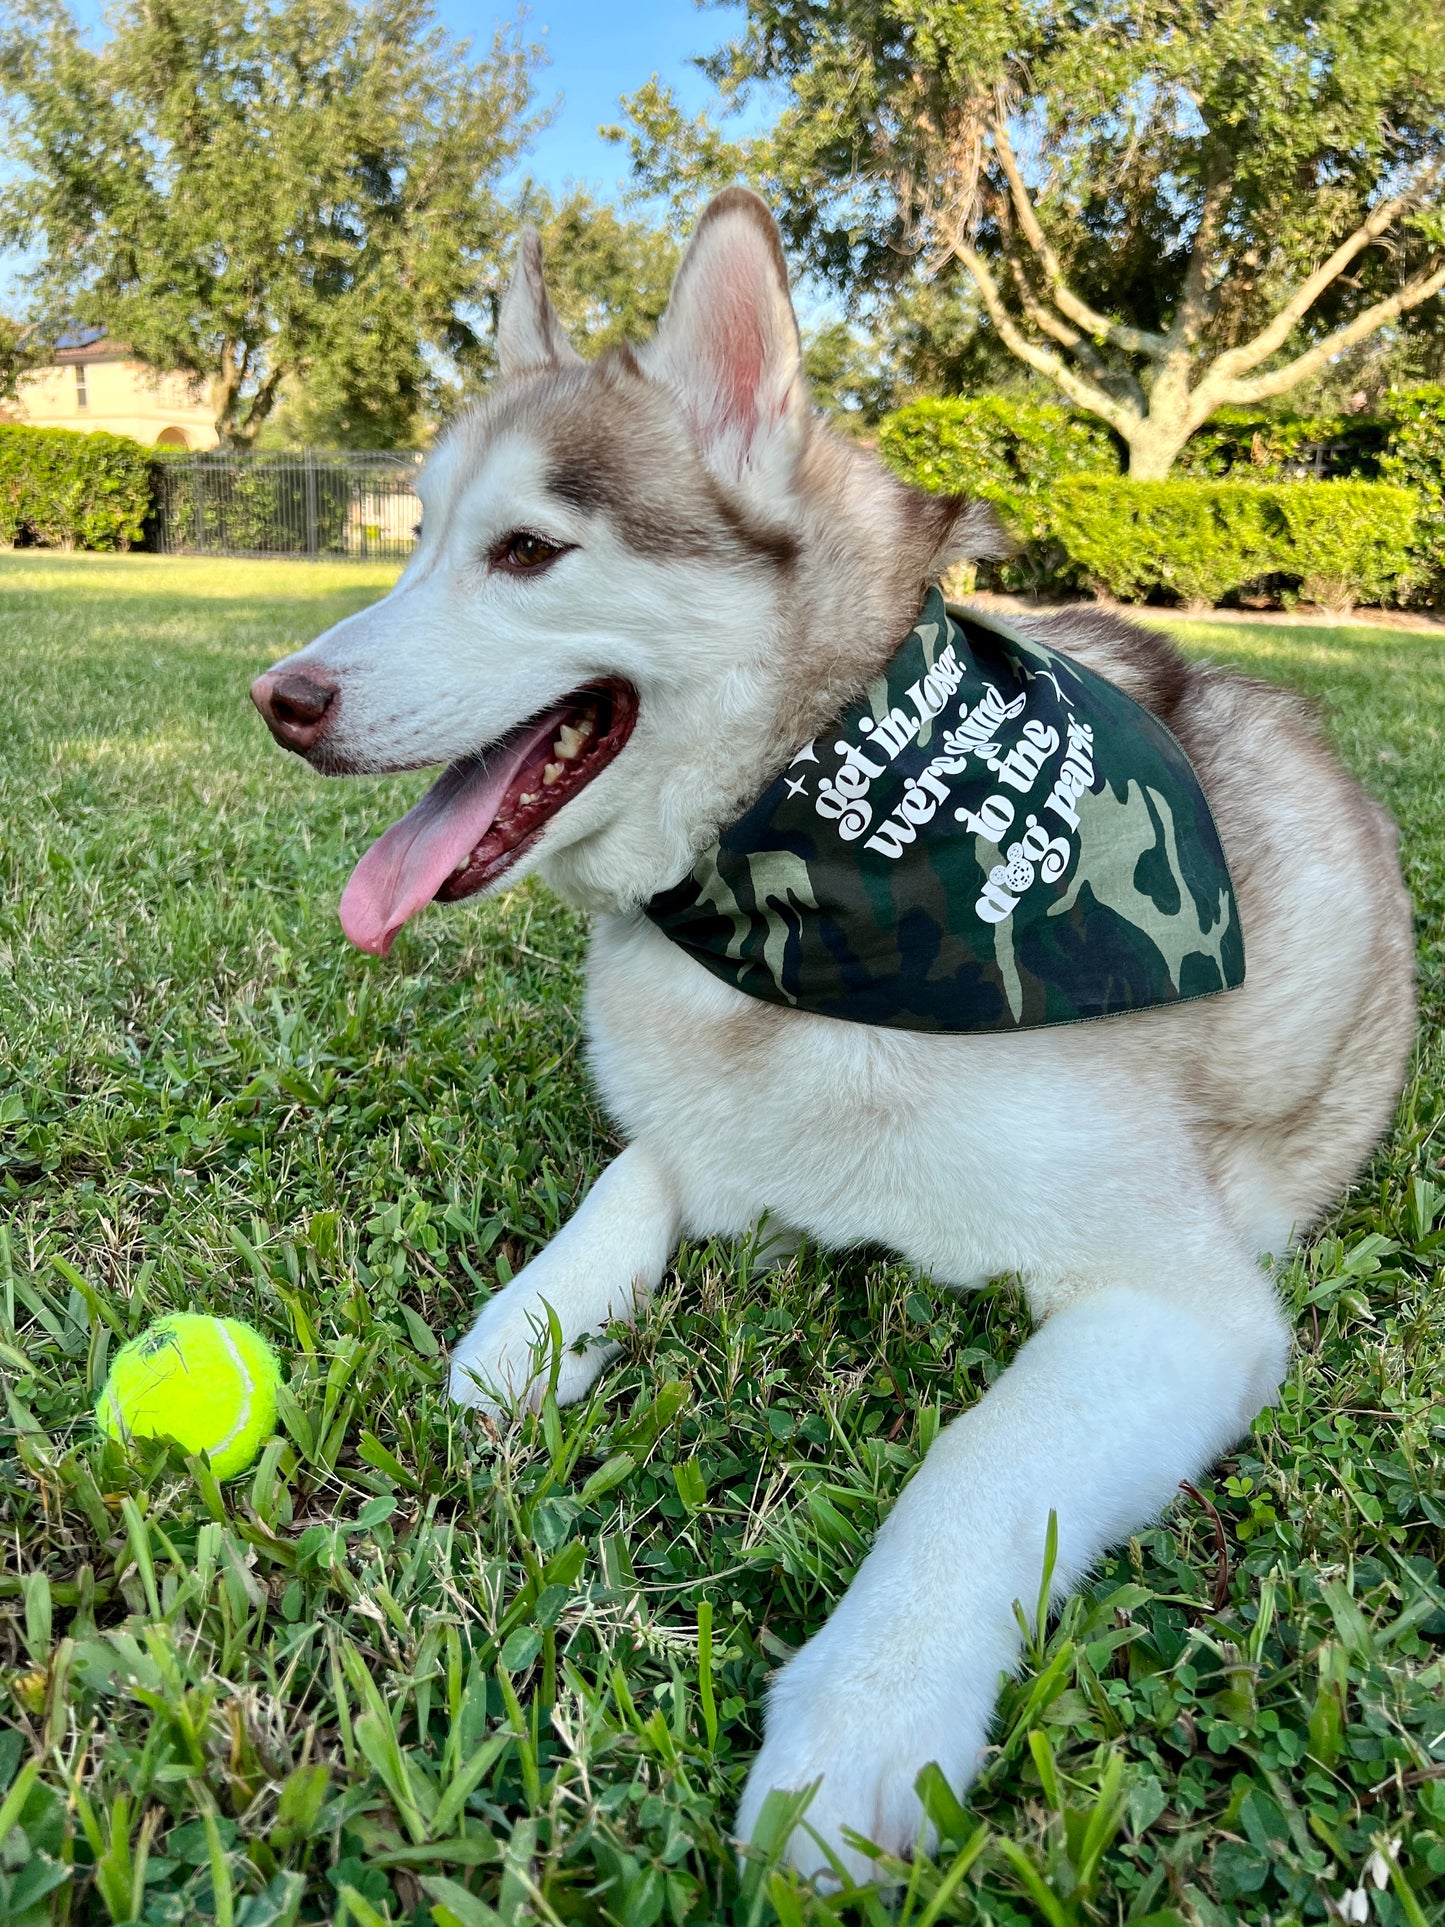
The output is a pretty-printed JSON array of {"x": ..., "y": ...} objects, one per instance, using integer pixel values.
[{"x": 405, "y": 1670}]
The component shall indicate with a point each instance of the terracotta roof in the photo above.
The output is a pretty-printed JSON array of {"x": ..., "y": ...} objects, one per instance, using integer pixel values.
[{"x": 88, "y": 344}]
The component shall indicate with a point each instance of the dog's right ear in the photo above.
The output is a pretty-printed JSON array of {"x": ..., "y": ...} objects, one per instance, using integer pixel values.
[
  {"x": 728, "y": 344},
  {"x": 529, "y": 335}
]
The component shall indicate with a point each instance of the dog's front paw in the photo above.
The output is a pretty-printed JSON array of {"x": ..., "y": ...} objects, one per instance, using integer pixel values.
[
  {"x": 504, "y": 1363},
  {"x": 863, "y": 1726}
]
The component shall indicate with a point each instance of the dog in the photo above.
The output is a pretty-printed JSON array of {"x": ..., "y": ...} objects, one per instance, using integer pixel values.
[{"x": 640, "y": 585}]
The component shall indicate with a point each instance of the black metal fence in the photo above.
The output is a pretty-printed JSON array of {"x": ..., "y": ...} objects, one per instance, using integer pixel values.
[
  {"x": 309, "y": 504},
  {"x": 1316, "y": 462}
]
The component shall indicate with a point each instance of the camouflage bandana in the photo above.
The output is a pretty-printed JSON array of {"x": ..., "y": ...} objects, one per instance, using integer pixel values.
[{"x": 994, "y": 838}]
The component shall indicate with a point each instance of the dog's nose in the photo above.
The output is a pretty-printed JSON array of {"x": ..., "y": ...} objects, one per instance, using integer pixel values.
[{"x": 296, "y": 706}]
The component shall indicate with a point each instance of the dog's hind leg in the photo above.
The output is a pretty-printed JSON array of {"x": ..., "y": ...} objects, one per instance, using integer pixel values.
[
  {"x": 604, "y": 1264},
  {"x": 1123, "y": 1392}
]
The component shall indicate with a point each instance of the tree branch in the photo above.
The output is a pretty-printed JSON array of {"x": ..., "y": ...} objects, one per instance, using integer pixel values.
[
  {"x": 1085, "y": 394},
  {"x": 227, "y": 388},
  {"x": 1135, "y": 341},
  {"x": 1077, "y": 343},
  {"x": 1053, "y": 325},
  {"x": 1196, "y": 300},
  {"x": 1261, "y": 387},
  {"x": 1250, "y": 354},
  {"x": 260, "y": 405}
]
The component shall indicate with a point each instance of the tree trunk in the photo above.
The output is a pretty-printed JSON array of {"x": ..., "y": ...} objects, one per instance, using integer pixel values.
[
  {"x": 225, "y": 391},
  {"x": 1153, "y": 446}
]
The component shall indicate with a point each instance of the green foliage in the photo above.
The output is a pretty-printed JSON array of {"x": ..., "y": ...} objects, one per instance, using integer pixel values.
[
  {"x": 258, "y": 193},
  {"x": 250, "y": 503},
  {"x": 1012, "y": 453},
  {"x": 452, "y": 1676},
  {"x": 1403, "y": 443},
  {"x": 1348, "y": 542},
  {"x": 1222, "y": 530},
  {"x": 609, "y": 276},
  {"x": 21, "y": 349},
  {"x": 68, "y": 491},
  {"x": 325, "y": 412},
  {"x": 1248, "y": 442},
  {"x": 1414, "y": 457},
  {"x": 1343, "y": 542},
  {"x": 1138, "y": 191},
  {"x": 903, "y": 344},
  {"x": 1197, "y": 540},
  {"x": 846, "y": 376}
]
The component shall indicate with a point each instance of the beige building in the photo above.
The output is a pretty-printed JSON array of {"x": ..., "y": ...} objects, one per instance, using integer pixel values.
[{"x": 94, "y": 383}]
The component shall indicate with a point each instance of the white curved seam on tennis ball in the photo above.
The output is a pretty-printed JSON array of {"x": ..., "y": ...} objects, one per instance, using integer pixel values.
[{"x": 215, "y": 1451}]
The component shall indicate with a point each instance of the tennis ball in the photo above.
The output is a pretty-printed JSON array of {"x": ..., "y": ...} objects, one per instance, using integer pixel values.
[{"x": 208, "y": 1383}]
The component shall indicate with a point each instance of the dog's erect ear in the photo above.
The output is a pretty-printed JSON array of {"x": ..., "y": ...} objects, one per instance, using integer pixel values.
[
  {"x": 529, "y": 335},
  {"x": 728, "y": 344}
]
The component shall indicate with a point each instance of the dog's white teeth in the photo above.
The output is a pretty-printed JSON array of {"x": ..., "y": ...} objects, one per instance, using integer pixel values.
[
  {"x": 529, "y": 796},
  {"x": 570, "y": 738},
  {"x": 550, "y": 774}
]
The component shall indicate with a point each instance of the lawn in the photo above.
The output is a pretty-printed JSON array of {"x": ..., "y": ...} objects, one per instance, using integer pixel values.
[{"x": 404, "y": 1672}]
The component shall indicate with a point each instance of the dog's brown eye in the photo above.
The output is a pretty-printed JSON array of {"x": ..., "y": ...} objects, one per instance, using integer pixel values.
[{"x": 522, "y": 552}]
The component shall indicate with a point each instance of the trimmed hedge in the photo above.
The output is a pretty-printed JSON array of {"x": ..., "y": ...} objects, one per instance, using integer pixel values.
[
  {"x": 60, "y": 489},
  {"x": 1012, "y": 454},
  {"x": 1341, "y": 542},
  {"x": 1404, "y": 443},
  {"x": 1345, "y": 549},
  {"x": 1414, "y": 458},
  {"x": 1241, "y": 444}
]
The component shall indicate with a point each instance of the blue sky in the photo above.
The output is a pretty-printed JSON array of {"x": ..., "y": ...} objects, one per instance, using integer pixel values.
[{"x": 598, "y": 50}]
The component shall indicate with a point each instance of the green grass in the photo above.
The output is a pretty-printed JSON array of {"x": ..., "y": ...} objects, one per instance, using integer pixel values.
[{"x": 403, "y": 1672}]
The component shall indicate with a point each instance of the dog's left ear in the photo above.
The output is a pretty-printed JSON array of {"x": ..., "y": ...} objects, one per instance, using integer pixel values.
[
  {"x": 530, "y": 337},
  {"x": 728, "y": 344}
]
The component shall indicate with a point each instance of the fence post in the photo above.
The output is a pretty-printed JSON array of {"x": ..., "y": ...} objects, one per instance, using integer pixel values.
[
  {"x": 200, "y": 494},
  {"x": 311, "y": 503}
]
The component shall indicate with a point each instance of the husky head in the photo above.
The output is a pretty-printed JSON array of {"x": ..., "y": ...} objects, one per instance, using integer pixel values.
[{"x": 640, "y": 585}]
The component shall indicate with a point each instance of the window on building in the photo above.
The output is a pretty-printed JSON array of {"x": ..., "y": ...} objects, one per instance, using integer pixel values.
[{"x": 82, "y": 399}]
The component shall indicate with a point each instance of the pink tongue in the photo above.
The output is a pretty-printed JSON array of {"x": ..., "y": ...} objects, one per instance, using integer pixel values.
[{"x": 407, "y": 865}]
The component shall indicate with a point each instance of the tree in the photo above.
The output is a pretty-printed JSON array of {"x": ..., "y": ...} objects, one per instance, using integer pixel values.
[
  {"x": 265, "y": 191},
  {"x": 609, "y": 276},
  {"x": 327, "y": 411},
  {"x": 21, "y": 349},
  {"x": 916, "y": 339},
  {"x": 1166, "y": 206}
]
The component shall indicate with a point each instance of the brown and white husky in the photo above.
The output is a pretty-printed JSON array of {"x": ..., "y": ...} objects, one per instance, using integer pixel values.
[{"x": 640, "y": 586}]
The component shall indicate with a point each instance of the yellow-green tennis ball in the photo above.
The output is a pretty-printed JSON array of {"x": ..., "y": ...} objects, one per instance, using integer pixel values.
[{"x": 208, "y": 1383}]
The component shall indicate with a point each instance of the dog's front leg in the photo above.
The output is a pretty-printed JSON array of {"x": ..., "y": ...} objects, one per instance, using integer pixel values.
[
  {"x": 1112, "y": 1402},
  {"x": 603, "y": 1264}
]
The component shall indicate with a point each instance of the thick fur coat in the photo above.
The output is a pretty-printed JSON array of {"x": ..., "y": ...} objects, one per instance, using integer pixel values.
[{"x": 709, "y": 544}]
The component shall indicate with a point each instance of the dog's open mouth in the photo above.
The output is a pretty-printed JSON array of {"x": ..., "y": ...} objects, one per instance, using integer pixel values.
[{"x": 483, "y": 812}]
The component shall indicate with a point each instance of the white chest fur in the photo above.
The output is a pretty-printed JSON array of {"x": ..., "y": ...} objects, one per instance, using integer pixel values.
[{"x": 968, "y": 1155}]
